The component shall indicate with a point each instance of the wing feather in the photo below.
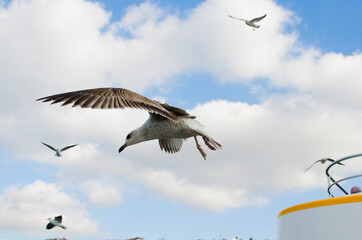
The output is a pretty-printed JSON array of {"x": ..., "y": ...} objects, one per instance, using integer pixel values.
[
  {"x": 50, "y": 225},
  {"x": 59, "y": 219},
  {"x": 67, "y": 100},
  {"x": 107, "y": 98},
  {"x": 257, "y": 19},
  {"x": 89, "y": 102},
  {"x": 65, "y": 148},
  {"x": 105, "y": 103},
  {"x": 171, "y": 145},
  {"x": 237, "y": 18},
  {"x": 111, "y": 103},
  {"x": 177, "y": 111},
  {"x": 49, "y": 146},
  {"x": 97, "y": 102},
  {"x": 80, "y": 100}
]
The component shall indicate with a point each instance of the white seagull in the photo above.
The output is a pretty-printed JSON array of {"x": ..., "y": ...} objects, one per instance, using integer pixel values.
[
  {"x": 323, "y": 161},
  {"x": 170, "y": 125},
  {"x": 57, "y": 150},
  {"x": 252, "y": 22},
  {"x": 57, "y": 221}
]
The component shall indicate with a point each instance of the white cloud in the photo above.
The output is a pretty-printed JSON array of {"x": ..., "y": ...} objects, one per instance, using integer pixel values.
[
  {"x": 331, "y": 77},
  {"x": 102, "y": 194},
  {"x": 54, "y": 46},
  {"x": 266, "y": 144},
  {"x": 25, "y": 209},
  {"x": 212, "y": 197}
]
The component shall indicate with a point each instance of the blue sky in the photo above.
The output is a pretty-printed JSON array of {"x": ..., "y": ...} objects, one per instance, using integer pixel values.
[{"x": 277, "y": 98}]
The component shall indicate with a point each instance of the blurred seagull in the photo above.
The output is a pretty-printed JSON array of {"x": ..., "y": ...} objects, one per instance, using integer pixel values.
[
  {"x": 57, "y": 221},
  {"x": 323, "y": 161},
  {"x": 57, "y": 150},
  {"x": 170, "y": 125},
  {"x": 252, "y": 22}
]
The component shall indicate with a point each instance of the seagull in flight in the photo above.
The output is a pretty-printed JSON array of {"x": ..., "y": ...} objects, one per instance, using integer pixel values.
[
  {"x": 57, "y": 150},
  {"x": 57, "y": 221},
  {"x": 323, "y": 161},
  {"x": 169, "y": 124},
  {"x": 252, "y": 22}
]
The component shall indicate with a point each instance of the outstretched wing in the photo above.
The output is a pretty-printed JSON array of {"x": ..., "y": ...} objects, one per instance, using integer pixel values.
[
  {"x": 171, "y": 145},
  {"x": 49, "y": 146},
  {"x": 312, "y": 165},
  {"x": 176, "y": 111},
  {"x": 59, "y": 219},
  {"x": 257, "y": 19},
  {"x": 330, "y": 160},
  {"x": 236, "y": 18},
  {"x": 106, "y": 98},
  {"x": 50, "y": 226},
  {"x": 65, "y": 148}
]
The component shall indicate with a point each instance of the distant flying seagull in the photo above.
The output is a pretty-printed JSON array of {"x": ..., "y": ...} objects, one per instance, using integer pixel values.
[
  {"x": 252, "y": 22},
  {"x": 323, "y": 160},
  {"x": 170, "y": 125},
  {"x": 57, "y": 221},
  {"x": 57, "y": 150}
]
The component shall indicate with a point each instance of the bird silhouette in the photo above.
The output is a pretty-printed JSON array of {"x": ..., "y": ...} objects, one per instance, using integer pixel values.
[
  {"x": 252, "y": 22},
  {"x": 323, "y": 160},
  {"x": 57, "y": 150},
  {"x": 57, "y": 221}
]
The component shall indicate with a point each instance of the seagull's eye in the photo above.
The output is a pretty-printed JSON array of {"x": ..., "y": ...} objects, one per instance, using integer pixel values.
[{"x": 128, "y": 136}]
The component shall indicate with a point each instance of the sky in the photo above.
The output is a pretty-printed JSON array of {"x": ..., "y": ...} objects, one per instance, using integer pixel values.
[{"x": 277, "y": 99}]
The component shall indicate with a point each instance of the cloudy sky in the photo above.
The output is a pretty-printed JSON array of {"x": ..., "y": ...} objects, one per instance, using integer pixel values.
[{"x": 277, "y": 99}]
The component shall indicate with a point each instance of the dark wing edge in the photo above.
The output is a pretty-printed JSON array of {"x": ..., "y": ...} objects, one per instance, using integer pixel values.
[
  {"x": 49, "y": 146},
  {"x": 312, "y": 165},
  {"x": 177, "y": 111},
  {"x": 50, "y": 226},
  {"x": 59, "y": 219},
  {"x": 108, "y": 98},
  {"x": 67, "y": 147},
  {"x": 258, "y": 19}
]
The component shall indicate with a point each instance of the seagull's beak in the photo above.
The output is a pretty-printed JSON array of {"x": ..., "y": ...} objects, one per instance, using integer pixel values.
[{"x": 122, "y": 147}]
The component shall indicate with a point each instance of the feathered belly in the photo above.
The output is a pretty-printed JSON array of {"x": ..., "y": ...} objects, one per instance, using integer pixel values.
[{"x": 183, "y": 128}]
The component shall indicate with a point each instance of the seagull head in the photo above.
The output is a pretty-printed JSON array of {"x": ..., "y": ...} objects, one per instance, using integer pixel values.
[{"x": 132, "y": 138}]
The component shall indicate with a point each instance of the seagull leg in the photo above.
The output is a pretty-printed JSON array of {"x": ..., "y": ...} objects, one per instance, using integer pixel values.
[
  {"x": 198, "y": 146},
  {"x": 207, "y": 142},
  {"x": 211, "y": 143}
]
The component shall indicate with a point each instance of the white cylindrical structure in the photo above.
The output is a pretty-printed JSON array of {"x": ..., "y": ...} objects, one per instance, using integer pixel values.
[{"x": 336, "y": 218}]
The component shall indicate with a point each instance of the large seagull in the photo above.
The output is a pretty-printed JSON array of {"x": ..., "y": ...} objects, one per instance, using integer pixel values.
[
  {"x": 252, "y": 22},
  {"x": 170, "y": 125}
]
